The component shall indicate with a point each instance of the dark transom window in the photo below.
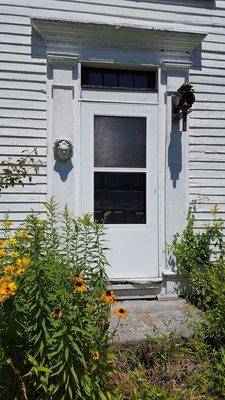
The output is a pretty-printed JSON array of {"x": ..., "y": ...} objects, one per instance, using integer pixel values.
[{"x": 104, "y": 78}]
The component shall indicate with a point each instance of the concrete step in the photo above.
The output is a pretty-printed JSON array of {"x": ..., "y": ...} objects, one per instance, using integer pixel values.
[
  {"x": 153, "y": 318},
  {"x": 137, "y": 288}
]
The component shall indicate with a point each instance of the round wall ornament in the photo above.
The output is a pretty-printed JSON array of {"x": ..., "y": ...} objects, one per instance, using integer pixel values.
[{"x": 63, "y": 150}]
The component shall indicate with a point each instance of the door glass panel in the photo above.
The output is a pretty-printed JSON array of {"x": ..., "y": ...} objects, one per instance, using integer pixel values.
[
  {"x": 120, "y": 142},
  {"x": 122, "y": 195}
]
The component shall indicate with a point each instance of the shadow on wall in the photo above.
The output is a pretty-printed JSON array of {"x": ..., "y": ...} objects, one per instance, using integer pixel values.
[
  {"x": 38, "y": 49},
  {"x": 210, "y": 4},
  {"x": 175, "y": 153},
  {"x": 63, "y": 169}
]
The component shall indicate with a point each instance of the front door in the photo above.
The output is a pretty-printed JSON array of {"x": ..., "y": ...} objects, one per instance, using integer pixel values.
[{"x": 119, "y": 182}]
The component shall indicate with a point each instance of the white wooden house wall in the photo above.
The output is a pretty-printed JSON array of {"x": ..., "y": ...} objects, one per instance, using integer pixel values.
[{"x": 23, "y": 88}]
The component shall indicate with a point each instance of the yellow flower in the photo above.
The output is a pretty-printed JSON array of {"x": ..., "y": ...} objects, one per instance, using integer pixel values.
[
  {"x": 7, "y": 288},
  {"x": 7, "y": 223},
  {"x": 20, "y": 271},
  {"x": 12, "y": 240},
  {"x": 80, "y": 287},
  {"x": 42, "y": 222},
  {"x": 23, "y": 235},
  {"x": 120, "y": 312},
  {"x": 96, "y": 356},
  {"x": 14, "y": 254},
  {"x": 2, "y": 253},
  {"x": 57, "y": 313},
  {"x": 108, "y": 297},
  {"x": 3, "y": 244},
  {"x": 9, "y": 270},
  {"x": 77, "y": 278},
  {"x": 22, "y": 262},
  {"x": 214, "y": 210}
]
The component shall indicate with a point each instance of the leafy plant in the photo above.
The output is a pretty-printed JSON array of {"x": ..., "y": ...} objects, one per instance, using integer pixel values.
[
  {"x": 200, "y": 266},
  {"x": 15, "y": 172},
  {"x": 54, "y": 309}
]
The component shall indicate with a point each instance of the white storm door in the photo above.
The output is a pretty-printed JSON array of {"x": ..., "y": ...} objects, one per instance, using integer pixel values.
[{"x": 119, "y": 177}]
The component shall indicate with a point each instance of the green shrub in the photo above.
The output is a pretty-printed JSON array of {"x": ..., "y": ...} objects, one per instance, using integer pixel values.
[
  {"x": 200, "y": 266},
  {"x": 54, "y": 318}
]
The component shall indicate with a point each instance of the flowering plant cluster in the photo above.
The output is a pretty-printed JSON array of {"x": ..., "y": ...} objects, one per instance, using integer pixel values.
[{"x": 54, "y": 309}]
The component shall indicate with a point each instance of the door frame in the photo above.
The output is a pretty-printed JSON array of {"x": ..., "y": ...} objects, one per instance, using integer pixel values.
[{"x": 71, "y": 43}]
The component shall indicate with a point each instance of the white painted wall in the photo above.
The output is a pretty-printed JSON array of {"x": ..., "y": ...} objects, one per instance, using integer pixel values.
[{"x": 23, "y": 91}]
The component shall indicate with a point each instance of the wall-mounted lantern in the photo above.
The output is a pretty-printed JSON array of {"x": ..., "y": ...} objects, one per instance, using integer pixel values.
[{"x": 182, "y": 102}]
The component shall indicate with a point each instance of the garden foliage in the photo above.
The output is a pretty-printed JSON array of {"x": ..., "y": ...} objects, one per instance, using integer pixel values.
[
  {"x": 54, "y": 309},
  {"x": 16, "y": 172},
  {"x": 200, "y": 266}
]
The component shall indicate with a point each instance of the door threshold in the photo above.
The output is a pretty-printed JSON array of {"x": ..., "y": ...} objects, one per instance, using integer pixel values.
[{"x": 140, "y": 288}]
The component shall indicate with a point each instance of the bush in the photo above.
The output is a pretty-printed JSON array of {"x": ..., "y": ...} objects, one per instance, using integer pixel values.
[
  {"x": 200, "y": 266},
  {"x": 54, "y": 309}
]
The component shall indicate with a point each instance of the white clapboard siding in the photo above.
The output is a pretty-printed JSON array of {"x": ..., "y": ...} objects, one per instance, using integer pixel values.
[
  {"x": 23, "y": 87},
  {"x": 17, "y": 198},
  {"x": 22, "y": 123}
]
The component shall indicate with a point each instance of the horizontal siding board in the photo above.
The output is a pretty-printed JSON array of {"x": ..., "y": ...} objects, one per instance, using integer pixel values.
[
  {"x": 21, "y": 67},
  {"x": 207, "y": 173},
  {"x": 207, "y": 132},
  {"x": 15, "y": 85},
  {"x": 198, "y": 78},
  {"x": 22, "y": 123},
  {"x": 21, "y": 58},
  {"x": 14, "y": 198},
  {"x": 22, "y": 141},
  {"x": 207, "y": 141},
  {"x": 16, "y": 98},
  {"x": 23, "y": 114},
  {"x": 30, "y": 188},
  {"x": 207, "y": 165},
  {"x": 21, "y": 207},
  {"x": 22, "y": 76},
  {"x": 21, "y": 103},
  {"x": 206, "y": 105},
  {"x": 17, "y": 151},
  {"x": 207, "y": 123},
  {"x": 209, "y": 88},
  {"x": 23, "y": 132}
]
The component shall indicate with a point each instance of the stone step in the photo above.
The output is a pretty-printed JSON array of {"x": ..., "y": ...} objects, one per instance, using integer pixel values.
[{"x": 137, "y": 288}]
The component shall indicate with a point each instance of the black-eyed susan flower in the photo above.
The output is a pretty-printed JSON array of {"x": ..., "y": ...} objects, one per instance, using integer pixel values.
[
  {"x": 77, "y": 278},
  {"x": 7, "y": 223},
  {"x": 2, "y": 253},
  {"x": 57, "y": 313},
  {"x": 96, "y": 356},
  {"x": 14, "y": 254},
  {"x": 12, "y": 240},
  {"x": 3, "y": 244},
  {"x": 80, "y": 287},
  {"x": 7, "y": 288},
  {"x": 9, "y": 270},
  {"x": 23, "y": 235},
  {"x": 120, "y": 312},
  {"x": 20, "y": 271},
  {"x": 22, "y": 262},
  {"x": 109, "y": 297}
]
